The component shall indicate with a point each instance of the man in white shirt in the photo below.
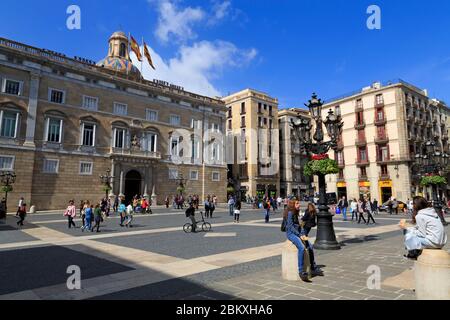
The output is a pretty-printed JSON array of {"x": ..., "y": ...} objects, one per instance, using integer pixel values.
[{"x": 20, "y": 205}]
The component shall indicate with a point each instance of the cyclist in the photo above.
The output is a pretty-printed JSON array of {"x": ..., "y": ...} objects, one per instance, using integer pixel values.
[{"x": 190, "y": 213}]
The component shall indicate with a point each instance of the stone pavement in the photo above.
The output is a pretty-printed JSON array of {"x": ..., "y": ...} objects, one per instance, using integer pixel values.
[{"x": 157, "y": 260}]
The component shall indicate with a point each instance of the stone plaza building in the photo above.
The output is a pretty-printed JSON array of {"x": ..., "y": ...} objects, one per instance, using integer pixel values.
[
  {"x": 66, "y": 121},
  {"x": 252, "y": 126},
  {"x": 385, "y": 126}
]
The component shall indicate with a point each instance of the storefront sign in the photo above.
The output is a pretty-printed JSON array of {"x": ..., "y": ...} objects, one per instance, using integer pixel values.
[
  {"x": 385, "y": 184},
  {"x": 364, "y": 184},
  {"x": 341, "y": 184}
]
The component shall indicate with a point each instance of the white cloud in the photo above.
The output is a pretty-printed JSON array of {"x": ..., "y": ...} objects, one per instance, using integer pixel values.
[
  {"x": 196, "y": 66},
  {"x": 177, "y": 22},
  {"x": 220, "y": 11}
]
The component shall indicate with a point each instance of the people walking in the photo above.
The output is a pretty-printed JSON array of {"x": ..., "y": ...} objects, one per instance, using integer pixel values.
[
  {"x": 237, "y": 211},
  {"x": 22, "y": 214},
  {"x": 361, "y": 211},
  {"x": 266, "y": 206},
  {"x": 368, "y": 207},
  {"x": 97, "y": 218},
  {"x": 89, "y": 212},
  {"x": 21, "y": 200},
  {"x": 375, "y": 206},
  {"x": 343, "y": 205},
  {"x": 166, "y": 202},
  {"x": 231, "y": 205},
  {"x": 207, "y": 205},
  {"x": 71, "y": 213},
  {"x": 122, "y": 212},
  {"x": 354, "y": 209}
]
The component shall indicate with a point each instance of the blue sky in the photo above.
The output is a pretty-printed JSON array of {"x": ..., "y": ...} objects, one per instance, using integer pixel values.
[{"x": 287, "y": 48}]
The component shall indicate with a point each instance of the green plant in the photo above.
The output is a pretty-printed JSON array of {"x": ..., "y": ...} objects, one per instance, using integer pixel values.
[
  {"x": 106, "y": 188},
  {"x": 324, "y": 166},
  {"x": 7, "y": 188},
  {"x": 230, "y": 190},
  {"x": 432, "y": 180},
  {"x": 180, "y": 189}
]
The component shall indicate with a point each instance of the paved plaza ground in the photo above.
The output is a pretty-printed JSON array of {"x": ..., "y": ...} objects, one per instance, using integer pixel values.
[{"x": 156, "y": 260}]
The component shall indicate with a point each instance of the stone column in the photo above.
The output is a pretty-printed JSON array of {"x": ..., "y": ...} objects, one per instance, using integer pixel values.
[
  {"x": 32, "y": 109},
  {"x": 121, "y": 183},
  {"x": 146, "y": 178},
  {"x": 111, "y": 194},
  {"x": 154, "y": 195}
]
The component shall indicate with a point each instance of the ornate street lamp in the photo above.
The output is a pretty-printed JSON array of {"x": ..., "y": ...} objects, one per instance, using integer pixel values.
[
  {"x": 433, "y": 162},
  {"x": 106, "y": 180},
  {"x": 326, "y": 237},
  {"x": 7, "y": 178}
]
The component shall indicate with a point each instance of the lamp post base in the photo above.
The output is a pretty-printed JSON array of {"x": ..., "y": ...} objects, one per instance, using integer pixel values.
[{"x": 325, "y": 238}]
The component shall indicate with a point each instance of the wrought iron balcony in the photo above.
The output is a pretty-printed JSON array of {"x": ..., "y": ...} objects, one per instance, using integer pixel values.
[
  {"x": 341, "y": 164},
  {"x": 360, "y": 125},
  {"x": 385, "y": 176},
  {"x": 363, "y": 177},
  {"x": 379, "y": 104},
  {"x": 380, "y": 121},
  {"x": 381, "y": 139},
  {"x": 362, "y": 162},
  {"x": 361, "y": 142}
]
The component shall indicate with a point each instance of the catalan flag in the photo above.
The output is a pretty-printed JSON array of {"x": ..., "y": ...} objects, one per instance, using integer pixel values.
[
  {"x": 136, "y": 49},
  {"x": 148, "y": 56}
]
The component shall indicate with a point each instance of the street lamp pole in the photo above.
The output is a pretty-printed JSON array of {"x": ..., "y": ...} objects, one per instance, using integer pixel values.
[
  {"x": 326, "y": 237},
  {"x": 106, "y": 180},
  {"x": 432, "y": 162},
  {"x": 7, "y": 178}
]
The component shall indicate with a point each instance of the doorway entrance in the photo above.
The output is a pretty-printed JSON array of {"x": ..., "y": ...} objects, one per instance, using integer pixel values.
[
  {"x": 386, "y": 194},
  {"x": 133, "y": 181}
]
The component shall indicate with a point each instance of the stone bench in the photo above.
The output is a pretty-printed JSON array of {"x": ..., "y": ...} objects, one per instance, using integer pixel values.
[
  {"x": 289, "y": 262},
  {"x": 432, "y": 275}
]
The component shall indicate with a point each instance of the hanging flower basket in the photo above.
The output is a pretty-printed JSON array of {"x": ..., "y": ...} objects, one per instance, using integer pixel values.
[
  {"x": 106, "y": 189},
  {"x": 180, "y": 190},
  {"x": 320, "y": 164},
  {"x": 230, "y": 190},
  {"x": 432, "y": 180},
  {"x": 7, "y": 188}
]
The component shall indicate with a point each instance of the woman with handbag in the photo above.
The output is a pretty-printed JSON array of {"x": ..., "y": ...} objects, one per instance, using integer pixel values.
[{"x": 291, "y": 216}]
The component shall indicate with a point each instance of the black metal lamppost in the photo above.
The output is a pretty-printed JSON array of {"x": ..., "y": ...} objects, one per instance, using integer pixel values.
[
  {"x": 7, "y": 178},
  {"x": 326, "y": 237},
  {"x": 433, "y": 162},
  {"x": 106, "y": 180}
]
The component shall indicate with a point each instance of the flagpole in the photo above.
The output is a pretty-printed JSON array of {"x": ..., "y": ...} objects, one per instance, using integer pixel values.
[{"x": 142, "y": 56}]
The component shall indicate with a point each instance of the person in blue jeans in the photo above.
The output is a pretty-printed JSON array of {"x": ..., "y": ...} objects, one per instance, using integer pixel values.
[
  {"x": 231, "y": 203},
  {"x": 343, "y": 205},
  {"x": 89, "y": 217},
  {"x": 293, "y": 234}
]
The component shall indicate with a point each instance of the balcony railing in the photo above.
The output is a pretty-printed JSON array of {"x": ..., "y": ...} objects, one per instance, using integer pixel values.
[
  {"x": 136, "y": 153},
  {"x": 363, "y": 177},
  {"x": 341, "y": 164},
  {"x": 360, "y": 142},
  {"x": 360, "y": 125},
  {"x": 381, "y": 139},
  {"x": 359, "y": 108},
  {"x": 380, "y": 121},
  {"x": 382, "y": 160},
  {"x": 362, "y": 162},
  {"x": 385, "y": 176},
  {"x": 379, "y": 104}
]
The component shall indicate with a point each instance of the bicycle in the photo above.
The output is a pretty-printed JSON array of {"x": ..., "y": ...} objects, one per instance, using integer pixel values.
[{"x": 206, "y": 226}]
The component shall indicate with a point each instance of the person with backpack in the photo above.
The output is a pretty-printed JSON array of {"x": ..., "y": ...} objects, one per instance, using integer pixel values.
[
  {"x": 237, "y": 211},
  {"x": 293, "y": 234},
  {"x": 22, "y": 214},
  {"x": 71, "y": 213},
  {"x": 343, "y": 205}
]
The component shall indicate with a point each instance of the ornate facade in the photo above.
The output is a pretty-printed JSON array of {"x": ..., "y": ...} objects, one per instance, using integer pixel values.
[{"x": 64, "y": 122}]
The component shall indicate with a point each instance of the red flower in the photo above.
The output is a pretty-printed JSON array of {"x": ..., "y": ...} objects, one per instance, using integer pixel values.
[{"x": 317, "y": 157}]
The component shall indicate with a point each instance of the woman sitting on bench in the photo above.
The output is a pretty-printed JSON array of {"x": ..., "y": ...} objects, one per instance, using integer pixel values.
[{"x": 427, "y": 231}]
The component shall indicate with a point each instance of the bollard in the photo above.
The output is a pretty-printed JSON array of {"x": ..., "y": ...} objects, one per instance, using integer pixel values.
[
  {"x": 289, "y": 262},
  {"x": 432, "y": 275},
  {"x": 33, "y": 209}
]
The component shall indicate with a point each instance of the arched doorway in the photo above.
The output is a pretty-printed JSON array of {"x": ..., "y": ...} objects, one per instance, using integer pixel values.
[{"x": 133, "y": 181}]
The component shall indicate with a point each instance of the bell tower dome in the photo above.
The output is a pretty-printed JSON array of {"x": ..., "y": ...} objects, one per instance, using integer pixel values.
[{"x": 118, "y": 58}]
